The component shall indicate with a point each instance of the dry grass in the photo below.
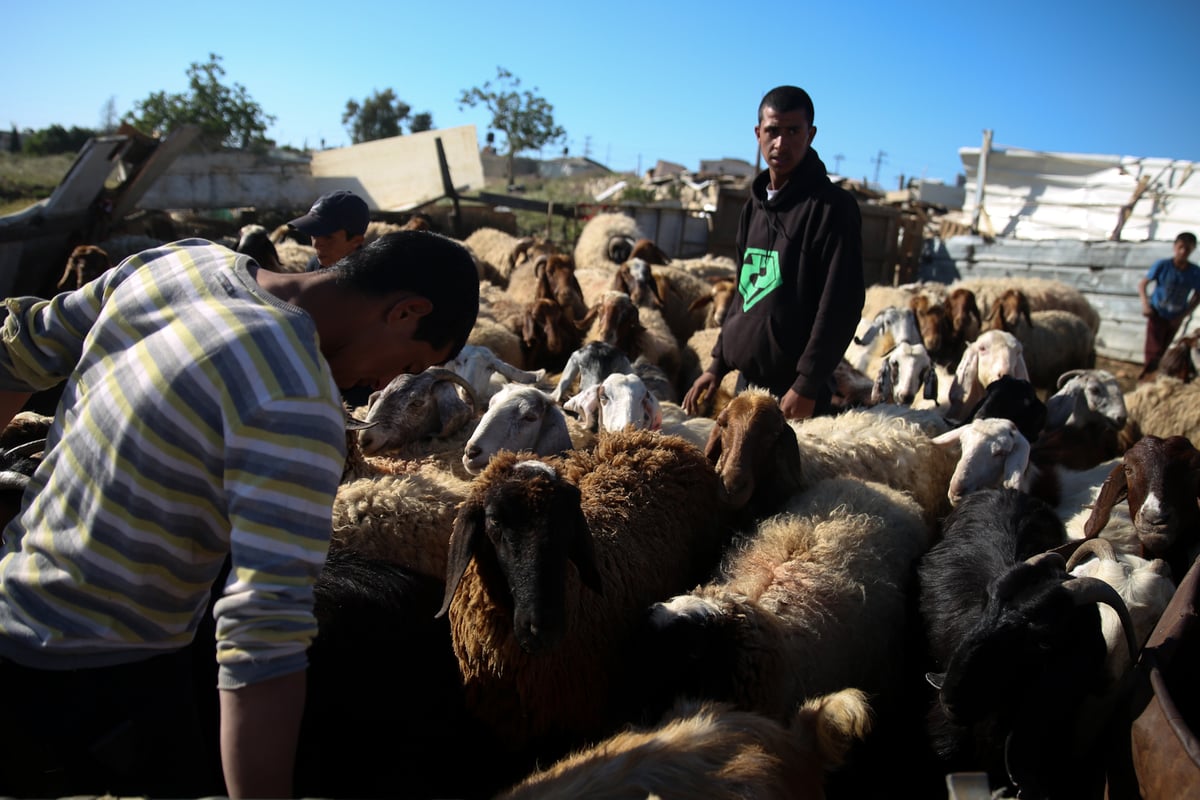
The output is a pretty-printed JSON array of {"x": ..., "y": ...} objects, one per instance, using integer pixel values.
[{"x": 24, "y": 180}]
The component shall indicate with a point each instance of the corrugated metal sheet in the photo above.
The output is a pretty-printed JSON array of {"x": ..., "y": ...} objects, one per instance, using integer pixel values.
[
  {"x": 1107, "y": 273},
  {"x": 1036, "y": 195}
]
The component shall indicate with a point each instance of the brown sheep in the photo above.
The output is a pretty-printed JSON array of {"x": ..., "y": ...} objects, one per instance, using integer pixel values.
[{"x": 86, "y": 263}]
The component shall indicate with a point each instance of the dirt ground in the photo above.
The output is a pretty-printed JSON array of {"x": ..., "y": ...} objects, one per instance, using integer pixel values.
[{"x": 1125, "y": 371}]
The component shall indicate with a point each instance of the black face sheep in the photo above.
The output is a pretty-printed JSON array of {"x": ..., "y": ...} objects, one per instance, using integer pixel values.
[
  {"x": 712, "y": 751},
  {"x": 1017, "y": 644},
  {"x": 255, "y": 241},
  {"x": 551, "y": 561},
  {"x": 1012, "y": 399},
  {"x": 1160, "y": 481}
]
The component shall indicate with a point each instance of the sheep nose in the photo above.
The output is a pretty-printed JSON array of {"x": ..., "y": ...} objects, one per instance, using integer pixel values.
[{"x": 473, "y": 452}]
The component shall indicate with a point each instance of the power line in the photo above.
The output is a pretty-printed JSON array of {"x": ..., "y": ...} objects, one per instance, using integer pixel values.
[{"x": 879, "y": 159}]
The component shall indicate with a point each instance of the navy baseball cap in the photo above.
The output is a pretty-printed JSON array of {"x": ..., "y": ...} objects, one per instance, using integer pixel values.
[{"x": 336, "y": 211}]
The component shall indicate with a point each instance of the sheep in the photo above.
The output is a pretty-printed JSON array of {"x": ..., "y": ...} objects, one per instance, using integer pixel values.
[
  {"x": 413, "y": 407},
  {"x": 548, "y": 276},
  {"x": 690, "y": 302},
  {"x": 1016, "y": 646},
  {"x": 1012, "y": 399},
  {"x": 763, "y": 460},
  {"x": 853, "y": 389},
  {"x": 496, "y": 252},
  {"x": 1083, "y": 420},
  {"x": 889, "y": 327},
  {"x": 656, "y": 380},
  {"x": 486, "y": 372},
  {"x": 1160, "y": 481},
  {"x": 947, "y": 327},
  {"x": 1145, "y": 585},
  {"x": 905, "y": 372},
  {"x": 17, "y": 465},
  {"x": 254, "y": 241},
  {"x": 879, "y": 296},
  {"x": 1182, "y": 359},
  {"x": 294, "y": 256},
  {"x": 715, "y": 304},
  {"x": 384, "y": 704},
  {"x": 86, "y": 263},
  {"x": 590, "y": 364},
  {"x": 1042, "y": 294},
  {"x": 991, "y": 355},
  {"x": 810, "y": 601},
  {"x": 1162, "y": 407},
  {"x": 521, "y": 418},
  {"x": 1054, "y": 341},
  {"x": 638, "y": 330},
  {"x": 542, "y": 647},
  {"x": 606, "y": 241},
  {"x": 704, "y": 749},
  {"x": 619, "y": 400},
  {"x": 549, "y": 335},
  {"x": 677, "y": 422},
  {"x": 403, "y": 518}
]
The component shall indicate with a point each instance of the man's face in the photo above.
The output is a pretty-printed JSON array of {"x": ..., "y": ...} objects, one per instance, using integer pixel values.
[
  {"x": 783, "y": 139},
  {"x": 1183, "y": 250},
  {"x": 383, "y": 346},
  {"x": 332, "y": 247}
]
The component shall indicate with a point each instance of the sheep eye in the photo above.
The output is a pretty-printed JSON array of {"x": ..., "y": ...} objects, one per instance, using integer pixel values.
[{"x": 530, "y": 417}]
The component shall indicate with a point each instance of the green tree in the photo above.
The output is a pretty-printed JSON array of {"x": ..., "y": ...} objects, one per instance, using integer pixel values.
[
  {"x": 109, "y": 116},
  {"x": 14, "y": 141},
  {"x": 55, "y": 139},
  {"x": 227, "y": 115},
  {"x": 377, "y": 117},
  {"x": 421, "y": 122},
  {"x": 525, "y": 119}
]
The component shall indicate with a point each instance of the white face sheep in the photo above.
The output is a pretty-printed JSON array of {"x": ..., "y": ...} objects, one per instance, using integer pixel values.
[
  {"x": 590, "y": 364},
  {"x": 518, "y": 418},
  {"x": 541, "y": 644},
  {"x": 904, "y": 372},
  {"x": 621, "y": 400},
  {"x": 1019, "y": 645},
  {"x": 991, "y": 355},
  {"x": 417, "y": 406},
  {"x": 993, "y": 455},
  {"x": 486, "y": 372}
]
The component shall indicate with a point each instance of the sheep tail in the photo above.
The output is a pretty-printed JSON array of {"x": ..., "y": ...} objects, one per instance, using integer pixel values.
[{"x": 838, "y": 719}]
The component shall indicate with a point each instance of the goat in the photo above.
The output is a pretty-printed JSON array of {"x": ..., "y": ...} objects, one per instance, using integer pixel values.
[
  {"x": 1018, "y": 644},
  {"x": 417, "y": 406},
  {"x": 590, "y": 364},
  {"x": 518, "y": 417},
  {"x": 991, "y": 355},
  {"x": 621, "y": 399},
  {"x": 255, "y": 241}
]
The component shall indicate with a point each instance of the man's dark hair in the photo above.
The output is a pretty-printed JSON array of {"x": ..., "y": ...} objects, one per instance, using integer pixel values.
[
  {"x": 431, "y": 265},
  {"x": 787, "y": 98},
  {"x": 1187, "y": 237}
]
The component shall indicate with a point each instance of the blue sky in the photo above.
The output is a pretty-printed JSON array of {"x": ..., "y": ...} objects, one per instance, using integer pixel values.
[{"x": 634, "y": 82}]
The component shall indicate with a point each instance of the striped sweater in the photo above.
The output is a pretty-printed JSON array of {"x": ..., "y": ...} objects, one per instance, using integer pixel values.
[{"x": 198, "y": 419}]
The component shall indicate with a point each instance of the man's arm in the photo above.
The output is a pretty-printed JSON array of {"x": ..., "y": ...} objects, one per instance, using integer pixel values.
[
  {"x": 1142, "y": 284},
  {"x": 260, "y": 727}
]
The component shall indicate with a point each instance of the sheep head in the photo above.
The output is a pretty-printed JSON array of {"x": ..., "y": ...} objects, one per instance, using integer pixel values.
[
  {"x": 622, "y": 400},
  {"x": 518, "y": 417},
  {"x": 556, "y": 280},
  {"x": 1086, "y": 396},
  {"x": 417, "y": 406},
  {"x": 522, "y": 523},
  {"x": 86, "y": 263},
  {"x": 994, "y": 455},
  {"x": 754, "y": 451},
  {"x": 1160, "y": 479}
]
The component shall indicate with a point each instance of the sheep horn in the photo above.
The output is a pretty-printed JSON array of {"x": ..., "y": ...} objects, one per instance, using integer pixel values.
[
  {"x": 1049, "y": 555},
  {"x": 936, "y": 679},
  {"x": 356, "y": 424},
  {"x": 1066, "y": 376},
  {"x": 443, "y": 374},
  {"x": 1094, "y": 590},
  {"x": 26, "y": 450},
  {"x": 1100, "y": 548}
]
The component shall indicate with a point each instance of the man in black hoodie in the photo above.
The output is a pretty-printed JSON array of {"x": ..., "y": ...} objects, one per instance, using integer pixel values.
[{"x": 800, "y": 288}]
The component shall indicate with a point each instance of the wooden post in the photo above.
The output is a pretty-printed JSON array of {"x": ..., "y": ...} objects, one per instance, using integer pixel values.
[
  {"x": 1126, "y": 211},
  {"x": 981, "y": 179},
  {"x": 448, "y": 189}
]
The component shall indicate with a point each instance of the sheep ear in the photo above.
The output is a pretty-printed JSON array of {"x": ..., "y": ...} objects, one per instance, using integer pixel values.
[
  {"x": 882, "y": 390},
  {"x": 1020, "y": 368},
  {"x": 452, "y": 411},
  {"x": 580, "y": 549},
  {"x": 1017, "y": 461},
  {"x": 700, "y": 302},
  {"x": 712, "y": 448},
  {"x": 1114, "y": 489},
  {"x": 964, "y": 376},
  {"x": 468, "y": 525},
  {"x": 930, "y": 389},
  {"x": 653, "y": 410}
]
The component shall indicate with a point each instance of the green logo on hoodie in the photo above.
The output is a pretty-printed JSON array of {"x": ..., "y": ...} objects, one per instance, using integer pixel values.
[{"x": 760, "y": 276}]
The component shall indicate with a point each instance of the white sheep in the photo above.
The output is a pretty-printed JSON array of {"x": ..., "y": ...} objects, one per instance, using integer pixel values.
[
  {"x": 618, "y": 401},
  {"x": 524, "y": 418},
  {"x": 486, "y": 372},
  {"x": 811, "y": 602},
  {"x": 606, "y": 241},
  {"x": 496, "y": 252},
  {"x": 993, "y": 354},
  {"x": 1163, "y": 407},
  {"x": 541, "y": 645}
]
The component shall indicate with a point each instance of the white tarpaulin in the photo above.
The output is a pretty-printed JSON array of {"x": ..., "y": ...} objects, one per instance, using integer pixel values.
[{"x": 1035, "y": 195}]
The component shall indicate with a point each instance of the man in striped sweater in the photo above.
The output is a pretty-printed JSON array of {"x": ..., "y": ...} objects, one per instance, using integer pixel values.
[{"x": 200, "y": 422}]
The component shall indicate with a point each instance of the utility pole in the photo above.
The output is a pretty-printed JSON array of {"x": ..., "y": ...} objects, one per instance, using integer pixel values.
[
  {"x": 587, "y": 147},
  {"x": 837, "y": 164},
  {"x": 879, "y": 159},
  {"x": 981, "y": 178}
]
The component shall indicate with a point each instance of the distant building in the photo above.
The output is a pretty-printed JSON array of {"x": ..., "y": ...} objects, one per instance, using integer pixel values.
[
  {"x": 735, "y": 167},
  {"x": 666, "y": 169},
  {"x": 570, "y": 166}
]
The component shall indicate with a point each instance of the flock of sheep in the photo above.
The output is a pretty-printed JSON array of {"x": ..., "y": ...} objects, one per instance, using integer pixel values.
[{"x": 548, "y": 580}]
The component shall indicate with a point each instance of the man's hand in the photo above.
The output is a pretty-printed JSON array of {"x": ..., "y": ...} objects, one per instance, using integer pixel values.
[
  {"x": 796, "y": 406},
  {"x": 704, "y": 385}
]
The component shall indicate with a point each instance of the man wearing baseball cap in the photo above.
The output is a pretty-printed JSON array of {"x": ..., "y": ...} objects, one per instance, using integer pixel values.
[{"x": 337, "y": 223}]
